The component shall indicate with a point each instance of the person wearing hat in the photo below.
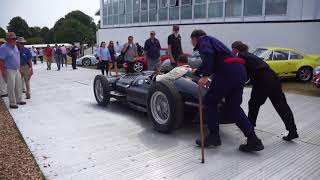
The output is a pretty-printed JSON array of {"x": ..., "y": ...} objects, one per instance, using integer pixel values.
[
  {"x": 174, "y": 45},
  {"x": 152, "y": 51},
  {"x": 10, "y": 66},
  {"x": 25, "y": 65},
  {"x": 3, "y": 84}
]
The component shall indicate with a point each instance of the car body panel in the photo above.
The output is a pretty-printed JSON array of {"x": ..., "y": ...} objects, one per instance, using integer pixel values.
[
  {"x": 286, "y": 62},
  {"x": 92, "y": 58}
]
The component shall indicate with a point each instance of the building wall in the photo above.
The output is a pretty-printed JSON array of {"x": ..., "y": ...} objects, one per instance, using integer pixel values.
[{"x": 302, "y": 36}]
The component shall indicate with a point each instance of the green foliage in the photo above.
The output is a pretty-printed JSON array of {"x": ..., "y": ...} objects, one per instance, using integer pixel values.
[
  {"x": 71, "y": 30},
  {"x": 35, "y": 31},
  {"x": 83, "y": 18},
  {"x": 44, "y": 31},
  {"x": 19, "y": 26},
  {"x": 35, "y": 40},
  {"x": 2, "y": 33}
]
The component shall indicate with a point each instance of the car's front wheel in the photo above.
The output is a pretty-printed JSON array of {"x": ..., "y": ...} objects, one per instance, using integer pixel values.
[
  {"x": 305, "y": 74},
  {"x": 86, "y": 62},
  {"x": 165, "y": 106},
  {"x": 138, "y": 66},
  {"x": 101, "y": 90}
]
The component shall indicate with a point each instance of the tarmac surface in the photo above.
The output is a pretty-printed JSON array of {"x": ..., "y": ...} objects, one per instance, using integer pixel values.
[{"x": 71, "y": 137}]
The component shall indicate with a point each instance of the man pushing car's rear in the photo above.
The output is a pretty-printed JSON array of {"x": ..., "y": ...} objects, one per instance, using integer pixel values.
[{"x": 229, "y": 78}]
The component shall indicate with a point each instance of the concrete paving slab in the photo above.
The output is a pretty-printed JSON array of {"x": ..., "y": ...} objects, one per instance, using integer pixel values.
[{"x": 72, "y": 137}]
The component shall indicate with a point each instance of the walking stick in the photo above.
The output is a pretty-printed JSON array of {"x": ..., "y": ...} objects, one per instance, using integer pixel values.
[{"x": 201, "y": 125}]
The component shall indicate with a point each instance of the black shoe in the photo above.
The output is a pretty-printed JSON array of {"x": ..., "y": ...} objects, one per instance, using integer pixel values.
[
  {"x": 290, "y": 136},
  {"x": 13, "y": 106},
  {"x": 22, "y": 103},
  {"x": 28, "y": 96},
  {"x": 253, "y": 144},
  {"x": 5, "y": 95},
  {"x": 210, "y": 140}
]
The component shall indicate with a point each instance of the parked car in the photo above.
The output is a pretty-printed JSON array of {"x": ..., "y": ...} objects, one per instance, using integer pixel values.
[
  {"x": 288, "y": 62},
  {"x": 141, "y": 64},
  {"x": 316, "y": 76},
  {"x": 87, "y": 60}
]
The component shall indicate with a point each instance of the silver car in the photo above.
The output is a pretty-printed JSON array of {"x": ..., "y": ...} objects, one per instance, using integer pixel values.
[{"x": 87, "y": 60}]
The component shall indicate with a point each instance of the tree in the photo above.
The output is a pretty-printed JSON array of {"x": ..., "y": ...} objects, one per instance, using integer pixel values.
[
  {"x": 71, "y": 30},
  {"x": 44, "y": 31},
  {"x": 35, "y": 31},
  {"x": 35, "y": 40},
  {"x": 83, "y": 18},
  {"x": 19, "y": 26},
  {"x": 2, "y": 33}
]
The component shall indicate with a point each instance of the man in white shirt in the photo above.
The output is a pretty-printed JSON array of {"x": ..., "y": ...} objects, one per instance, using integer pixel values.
[
  {"x": 179, "y": 71},
  {"x": 34, "y": 53},
  {"x": 118, "y": 47}
]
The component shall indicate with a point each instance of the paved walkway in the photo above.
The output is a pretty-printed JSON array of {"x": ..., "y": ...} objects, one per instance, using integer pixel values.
[{"x": 73, "y": 138}]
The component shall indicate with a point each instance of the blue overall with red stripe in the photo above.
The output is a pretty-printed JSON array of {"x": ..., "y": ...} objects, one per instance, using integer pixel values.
[{"x": 229, "y": 77}]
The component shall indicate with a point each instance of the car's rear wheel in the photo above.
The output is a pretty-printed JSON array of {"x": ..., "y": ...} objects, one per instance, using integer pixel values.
[
  {"x": 305, "y": 74},
  {"x": 86, "y": 62},
  {"x": 138, "y": 66},
  {"x": 165, "y": 106},
  {"x": 101, "y": 90}
]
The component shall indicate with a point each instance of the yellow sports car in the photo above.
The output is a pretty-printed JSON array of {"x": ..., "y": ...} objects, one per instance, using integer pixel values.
[{"x": 289, "y": 62}]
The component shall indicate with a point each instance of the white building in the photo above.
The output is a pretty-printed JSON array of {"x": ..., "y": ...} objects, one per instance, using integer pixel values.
[{"x": 282, "y": 23}]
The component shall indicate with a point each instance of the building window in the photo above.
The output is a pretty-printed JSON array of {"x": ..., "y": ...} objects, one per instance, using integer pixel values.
[
  {"x": 144, "y": 11},
  {"x": 122, "y": 11},
  {"x": 153, "y": 10},
  {"x": 215, "y": 8},
  {"x": 163, "y": 11},
  {"x": 253, "y": 7},
  {"x": 110, "y": 12},
  {"x": 174, "y": 10},
  {"x": 115, "y": 11},
  {"x": 128, "y": 11},
  {"x": 105, "y": 12},
  {"x": 276, "y": 7},
  {"x": 200, "y": 9},
  {"x": 136, "y": 11},
  {"x": 233, "y": 7},
  {"x": 186, "y": 9}
]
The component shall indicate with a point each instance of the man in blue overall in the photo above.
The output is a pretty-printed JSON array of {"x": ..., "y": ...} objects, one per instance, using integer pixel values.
[{"x": 229, "y": 77}]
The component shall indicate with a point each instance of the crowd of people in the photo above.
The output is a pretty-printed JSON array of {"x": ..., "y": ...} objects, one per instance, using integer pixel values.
[
  {"x": 230, "y": 69},
  {"x": 109, "y": 55},
  {"x": 16, "y": 65}
]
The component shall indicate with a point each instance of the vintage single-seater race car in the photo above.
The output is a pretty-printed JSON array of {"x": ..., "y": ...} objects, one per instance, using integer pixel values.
[{"x": 167, "y": 103}]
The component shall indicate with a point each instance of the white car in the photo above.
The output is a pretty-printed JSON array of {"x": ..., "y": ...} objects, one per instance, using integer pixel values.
[{"x": 87, "y": 60}]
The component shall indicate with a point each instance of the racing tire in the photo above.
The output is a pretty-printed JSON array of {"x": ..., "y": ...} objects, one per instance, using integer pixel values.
[
  {"x": 165, "y": 106},
  {"x": 138, "y": 67},
  {"x": 305, "y": 74},
  {"x": 101, "y": 90},
  {"x": 86, "y": 62}
]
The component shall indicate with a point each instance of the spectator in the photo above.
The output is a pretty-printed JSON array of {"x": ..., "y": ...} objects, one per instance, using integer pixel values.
[
  {"x": 104, "y": 58},
  {"x": 74, "y": 54},
  {"x": 40, "y": 54},
  {"x": 64, "y": 55},
  {"x": 130, "y": 52},
  {"x": 10, "y": 65},
  {"x": 152, "y": 51},
  {"x": 48, "y": 54},
  {"x": 174, "y": 45},
  {"x": 3, "y": 84},
  {"x": 139, "y": 49},
  {"x": 113, "y": 63},
  {"x": 25, "y": 65},
  {"x": 118, "y": 47},
  {"x": 58, "y": 56},
  {"x": 34, "y": 54}
]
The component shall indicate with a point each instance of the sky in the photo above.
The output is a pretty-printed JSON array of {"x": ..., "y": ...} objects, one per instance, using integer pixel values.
[{"x": 44, "y": 12}]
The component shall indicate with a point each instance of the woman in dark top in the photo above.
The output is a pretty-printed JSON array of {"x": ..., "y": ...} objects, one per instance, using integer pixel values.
[
  {"x": 113, "y": 62},
  {"x": 265, "y": 84}
]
